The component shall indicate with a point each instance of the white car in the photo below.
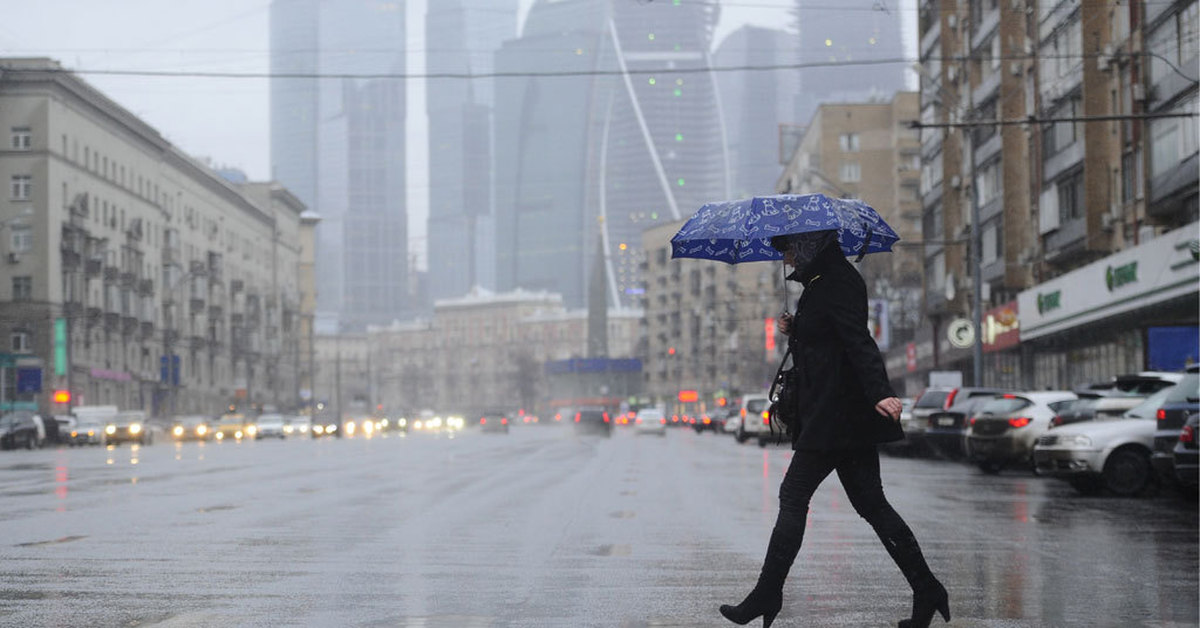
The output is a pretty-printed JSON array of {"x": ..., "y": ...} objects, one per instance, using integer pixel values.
[
  {"x": 297, "y": 426},
  {"x": 733, "y": 423},
  {"x": 651, "y": 421},
  {"x": 753, "y": 413},
  {"x": 1005, "y": 429},
  {"x": 1112, "y": 454}
]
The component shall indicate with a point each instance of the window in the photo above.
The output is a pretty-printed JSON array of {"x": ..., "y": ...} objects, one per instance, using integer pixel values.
[
  {"x": 1131, "y": 176},
  {"x": 991, "y": 184},
  {"x": 1057, "y": 136},
  {"x": 1164, "y": 148},
  {"x": 22, "y": 239},
  {"x": 1174, "y": 43},
  {"x": 21, "y": 186},
  {"x": 19, "y": 341},
  {"x": 850, "y": 171},
  {"x": 1070, "y": 197},
  {"x": 22, "y": 288},
  {"x": 848, "y": 142},
  {"x": 22, "y": 138}
]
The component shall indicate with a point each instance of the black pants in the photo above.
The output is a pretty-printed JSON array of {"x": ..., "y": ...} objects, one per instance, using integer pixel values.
[{"x": 858, "y": 470}]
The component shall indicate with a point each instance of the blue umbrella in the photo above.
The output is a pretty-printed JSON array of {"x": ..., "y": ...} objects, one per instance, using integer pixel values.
[{"x": 741, "y": 231}]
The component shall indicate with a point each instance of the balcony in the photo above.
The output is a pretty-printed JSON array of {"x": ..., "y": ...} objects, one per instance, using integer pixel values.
[
  {"x": 112, "y": 321},
  {"x": 71, "y": 259},
  {"x": 93, "y": 267},
  {"x": 215, "y": 311},
  {"x": 111, "y": 274},
  {"x": 1063, "y": 160},
  {"x": 147, "y": 330},
  {"x": 988, "y": 86},
  {"x": 930, "y": 39},
  {"x": 199, "y": 343},
  {"x": 197, "y": 305},
  {"x": 129, "y": 325},
  {"x": 170, "y": 336},
  {"x": 1067, "y": 240},
  {"x": 146, "y": 287},
  {"x": 236, "y": 319},
  {"x": 129, "y": 280},
  {"x": 94, "y": 315}
]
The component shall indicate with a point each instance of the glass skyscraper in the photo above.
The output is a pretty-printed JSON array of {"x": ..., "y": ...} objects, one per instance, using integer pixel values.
[{"x": 338, "y": 142}]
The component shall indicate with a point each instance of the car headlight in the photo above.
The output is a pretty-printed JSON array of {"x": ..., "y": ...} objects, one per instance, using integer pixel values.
[
  {"x": 111, "y": 429},
  {"x": 287, "y": 429},
  {"x": 134, "y": 428},
  {"x": 201, "y": 430},
  {"x": 251, "y": 430},
  {"x": 178, "y": 431},
  {"x": 237, "y": 434},
  {"x": 303, "y": 428},
  {"x": 220, "y": 435},
  {"x": 1075, "y": 440},
  {"x": 317, "y": 429},
  {"x": 332, "y": 427}
]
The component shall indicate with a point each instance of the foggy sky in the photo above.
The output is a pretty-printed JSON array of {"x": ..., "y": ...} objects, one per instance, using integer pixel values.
[{"x": 226, "y": 120}]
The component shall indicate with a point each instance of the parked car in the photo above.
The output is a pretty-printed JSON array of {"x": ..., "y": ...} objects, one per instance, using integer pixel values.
[
  {"x": 1187, "y": 455},
  {"x": 733, "y": 424},
  {"x": 269, "y": 426},
  {"x": 593, "y": 420},
  {"x": 1183, "y": 401},
  {"x": 930, "y": 401},
  {"x": 709, "y": 421},
  {"x": 946, "y": 432},
  {"x": 19, "y": 430},
  {"x": 128, "y": 427},
  {"x": 1006, "y": 428},
  {"x": 753, "y": 412},
  {"x": 494, "y": 421},
  {"x": 1096, "y": 455},
  {"x": 1141, "y": 384},
  {"x": 191, "y": 428},
  {"x": 1094, "y": 408},
  {"x": 64, "y": 424}
]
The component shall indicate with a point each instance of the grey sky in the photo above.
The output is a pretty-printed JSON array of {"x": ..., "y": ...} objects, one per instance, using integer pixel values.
[{"x": 226, "y": 120}]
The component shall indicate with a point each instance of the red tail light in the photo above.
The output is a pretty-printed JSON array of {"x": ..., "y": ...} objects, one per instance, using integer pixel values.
[
  {"x": 1162, "y": 414},
  {"x": 1020, "y": 421},
  {"x": 972, "y": 421},
  {"x": 1188, "y": 435},
  {"x": 558, "y": 417},
  {"x": 663, "y": 420},
  {"x": 1056, "y": 421},
  {"x": 950, "y": 398},
  {"x": 576, "y": 417},
  {"x": 483, "y": 421},
  {"x": 766, "y": 418},
  {"x": 606, "y": 417},
  {"x": 638, "y": 420},
  {"x": 503, "y": 421}
]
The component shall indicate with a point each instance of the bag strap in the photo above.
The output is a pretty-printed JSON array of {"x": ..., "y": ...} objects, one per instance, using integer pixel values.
[{"x": 779, "y": 371}]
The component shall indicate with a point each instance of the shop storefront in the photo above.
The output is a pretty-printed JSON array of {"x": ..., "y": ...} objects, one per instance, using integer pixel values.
[{"x": 1111, "y": 316}]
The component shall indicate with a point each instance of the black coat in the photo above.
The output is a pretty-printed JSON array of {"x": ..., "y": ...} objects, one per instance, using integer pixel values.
[{"x": 841, "y": 373}]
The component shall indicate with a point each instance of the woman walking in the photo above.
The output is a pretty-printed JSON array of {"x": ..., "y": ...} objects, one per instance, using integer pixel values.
[{"x": 846, "y": 408}]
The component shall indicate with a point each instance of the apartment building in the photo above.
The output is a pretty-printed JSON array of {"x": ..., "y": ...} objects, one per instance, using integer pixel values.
[
  {"x": 708, "y": 326},
  {"x": 133, "y": 274},
  {"x": 869, "y": 151},
  {"x": 482, "y": 351},
  {"x": 1070, "y": 129}
]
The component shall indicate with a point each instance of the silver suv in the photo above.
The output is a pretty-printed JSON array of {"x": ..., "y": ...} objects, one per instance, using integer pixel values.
[{"x": 753, "y": 413}]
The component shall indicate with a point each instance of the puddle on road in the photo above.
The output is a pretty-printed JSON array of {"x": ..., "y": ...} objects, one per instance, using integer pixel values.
[
  {"x": 612, "y": 550},
  {"x": 65, "y": 539},
  {"x": 216, "y": 508},
  {"x": 29, "y": 466},
  {"x": 628, "y": 493},
  {"x": 623, "y": 514}
]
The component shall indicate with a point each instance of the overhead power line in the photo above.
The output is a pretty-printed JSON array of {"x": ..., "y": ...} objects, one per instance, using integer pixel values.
[
  {"x": 547, "y": 73},
  {"x": 1033, "y": 119}
]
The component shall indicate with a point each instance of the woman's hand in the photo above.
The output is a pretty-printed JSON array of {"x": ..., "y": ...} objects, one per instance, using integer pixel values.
[
  {"x": 783, "y": 323},
  {"x": 890, "y": 407}
]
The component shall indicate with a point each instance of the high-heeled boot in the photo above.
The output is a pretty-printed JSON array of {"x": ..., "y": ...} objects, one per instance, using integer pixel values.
[
  {"x": 929, "y": 598},
  {"x": 766, "y": 599},
  {"x": 928, "y": 593}
]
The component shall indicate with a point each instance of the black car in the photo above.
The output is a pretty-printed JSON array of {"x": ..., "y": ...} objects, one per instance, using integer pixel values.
[
  {"x": 18, "y": 429},
  {"x": 946, "y": 432},
  {"x": 494, "y": 422},
  {"x": 1181, "y": 402},
  {"x": 593, "y": 420},
  {"x": 1187, "y": 454}
]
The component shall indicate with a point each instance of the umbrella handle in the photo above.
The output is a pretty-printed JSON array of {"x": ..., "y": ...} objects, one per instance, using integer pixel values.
[{"x": 862, "y": 250}]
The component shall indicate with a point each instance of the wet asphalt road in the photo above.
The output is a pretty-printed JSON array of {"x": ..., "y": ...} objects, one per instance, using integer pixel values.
[{"x": 545, "y": 528}]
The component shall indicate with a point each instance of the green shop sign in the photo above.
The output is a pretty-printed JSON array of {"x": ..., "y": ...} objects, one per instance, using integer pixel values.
[
  {"x": 1049, "y": 302},
  {"x": 1120, "y": 275}
]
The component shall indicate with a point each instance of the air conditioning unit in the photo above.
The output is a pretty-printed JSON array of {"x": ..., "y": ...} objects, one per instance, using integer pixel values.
[
  {"x": 1015, "y": 68},
  {"x": 1027, "y": 255},
  {"x": 1139, "y": 92},
  {"x": 1109, "y": 219},
  {"x": 1106, "y": 57}
]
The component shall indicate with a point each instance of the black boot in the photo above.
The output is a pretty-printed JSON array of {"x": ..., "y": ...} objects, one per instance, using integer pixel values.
[
  {"x": 767, "y": 597},
  {"x": 928, "y": 594}
]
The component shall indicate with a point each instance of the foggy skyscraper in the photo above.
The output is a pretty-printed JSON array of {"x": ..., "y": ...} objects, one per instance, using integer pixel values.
[
  {"x": 854, "y": 30},
  {"x": 339, "y": 143},
  {"x": 464, "y": 36},
  {"x": 605, "y": 154}
]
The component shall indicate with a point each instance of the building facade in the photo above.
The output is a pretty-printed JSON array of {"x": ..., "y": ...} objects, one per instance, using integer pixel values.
[
  {"x": 867, "y": 151},
  {"x": 339, "y": 141},
  {"x": 1071, "y": 128},
  {"x": 136, "y": 276},
  {"x": 708, "y": 326},
  {"x": 484, "y": 351}
]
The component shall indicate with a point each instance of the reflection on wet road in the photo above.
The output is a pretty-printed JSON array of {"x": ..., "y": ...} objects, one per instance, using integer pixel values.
[{"x": 542, "y": 528}]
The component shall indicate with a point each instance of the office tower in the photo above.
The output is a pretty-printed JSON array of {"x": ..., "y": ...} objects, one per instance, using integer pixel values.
[{"x": 340, "y": 140}]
